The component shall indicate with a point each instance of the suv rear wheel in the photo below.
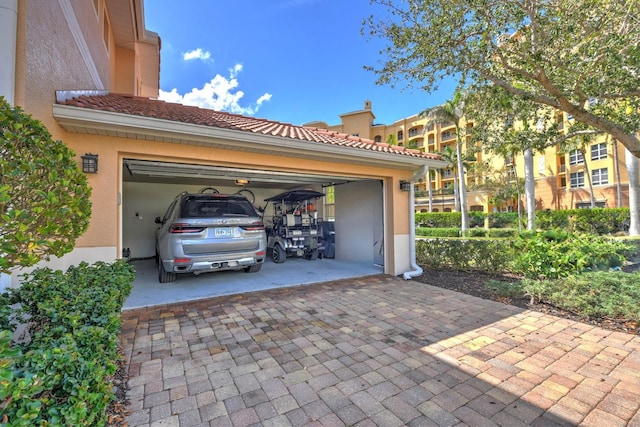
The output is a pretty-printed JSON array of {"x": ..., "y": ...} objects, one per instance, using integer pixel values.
[
  {"x": 165, "y": 276},
  {"x": 253, "y": 268}
]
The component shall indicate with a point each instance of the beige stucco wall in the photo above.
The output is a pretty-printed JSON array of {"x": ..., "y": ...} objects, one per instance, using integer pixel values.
[
  {"x": 47, "y": 42},
  {"x": 49, "y": 49},
  {"x": 105, "y": 228}
]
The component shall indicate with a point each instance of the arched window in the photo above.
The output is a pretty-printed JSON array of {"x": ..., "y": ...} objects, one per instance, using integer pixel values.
[
  {"x": 377, "y": 138},
  {"x": 400, "y": 135}
]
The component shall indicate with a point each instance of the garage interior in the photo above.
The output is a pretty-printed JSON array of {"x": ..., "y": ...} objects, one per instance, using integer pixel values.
[{"x": 148, "y": 187}]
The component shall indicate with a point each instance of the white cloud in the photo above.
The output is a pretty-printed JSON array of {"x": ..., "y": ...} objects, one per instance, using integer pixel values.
[
  {"x": 219, "y": 94},
  {"x": 197, "y": 54}
]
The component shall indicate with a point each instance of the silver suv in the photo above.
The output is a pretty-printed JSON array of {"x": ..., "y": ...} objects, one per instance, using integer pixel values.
[{"x": 205, "y": 232}]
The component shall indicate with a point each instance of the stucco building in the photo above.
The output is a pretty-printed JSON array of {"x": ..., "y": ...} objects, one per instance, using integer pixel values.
[
  {"x": 562, "y": 179},
  {"x": 89, "y": 70}
]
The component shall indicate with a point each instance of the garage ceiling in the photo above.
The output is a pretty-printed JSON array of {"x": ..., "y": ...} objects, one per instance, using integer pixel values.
[{"x": 192, "y": 174}]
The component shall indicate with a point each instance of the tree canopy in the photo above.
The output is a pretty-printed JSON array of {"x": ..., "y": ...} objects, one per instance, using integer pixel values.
[
  {"x": 578, "y": 56},
  {"x": 44, "y": 197}
]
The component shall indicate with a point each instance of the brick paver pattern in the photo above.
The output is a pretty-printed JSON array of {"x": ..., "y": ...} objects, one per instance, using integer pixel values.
[{"x": 372, "y": 351}]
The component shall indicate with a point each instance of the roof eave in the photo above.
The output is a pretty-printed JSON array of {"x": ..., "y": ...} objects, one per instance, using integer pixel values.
[{"x": 80, "y": 120}]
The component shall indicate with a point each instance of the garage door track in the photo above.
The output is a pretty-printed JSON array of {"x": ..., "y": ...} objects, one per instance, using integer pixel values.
[{"x": 373, "y": 351}]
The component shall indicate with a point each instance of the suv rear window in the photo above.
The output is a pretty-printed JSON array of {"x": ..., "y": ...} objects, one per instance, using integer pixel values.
[{"x": 199, "y": 207}]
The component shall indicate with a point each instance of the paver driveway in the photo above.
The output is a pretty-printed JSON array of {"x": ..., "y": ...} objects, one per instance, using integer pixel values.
[{"x": 374, "y": 351}]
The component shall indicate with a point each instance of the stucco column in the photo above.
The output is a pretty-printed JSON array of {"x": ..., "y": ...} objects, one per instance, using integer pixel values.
[{"x": 8, "y": 33}]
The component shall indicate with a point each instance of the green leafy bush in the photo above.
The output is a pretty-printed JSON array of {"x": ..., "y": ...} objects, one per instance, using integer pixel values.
[
  {"x": 439, "y": 219},
  {"x": 554, "y": 254},
  {"x": 44, "y": 197},
  {"x": 475, "y": 232},
  {"x": 476, "y": 219},
  {"x": 437, "y": 232},
  {"x": 503, "y": 219},
  {"x": 596, "y": 294},
  {"x": 592, "y": 221},
  {"x": 481, "y": 255},
  {"x": 61, "y": 376},
  {"x": 502, "y": 232}
]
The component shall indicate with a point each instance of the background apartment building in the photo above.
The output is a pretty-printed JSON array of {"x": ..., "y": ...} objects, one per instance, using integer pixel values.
[{"x": 562, "y": 178}]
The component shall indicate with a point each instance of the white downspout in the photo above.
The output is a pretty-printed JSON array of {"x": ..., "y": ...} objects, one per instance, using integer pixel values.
[{"x": 412, "y": 226}]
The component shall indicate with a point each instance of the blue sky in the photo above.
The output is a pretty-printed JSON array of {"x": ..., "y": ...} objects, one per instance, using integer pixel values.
[{"x": 293, "y": 61}]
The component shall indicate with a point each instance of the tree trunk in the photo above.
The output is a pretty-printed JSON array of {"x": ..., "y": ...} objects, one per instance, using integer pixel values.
[
  {"x": 633, "y": 166},
  {"x": 592, "y": 197},
  {"x": 456, "y": 199},
  {"x": 430, "y": 191},
  {"x": 462, "y": 191},
  {"x": 616, "y": 167},
  {"x": 530, "y": 189}
]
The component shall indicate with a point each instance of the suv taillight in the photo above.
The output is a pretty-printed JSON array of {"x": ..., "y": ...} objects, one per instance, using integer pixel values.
[
  {"x": 256, "y": 226},
  {"x": 179, "y": 227}
]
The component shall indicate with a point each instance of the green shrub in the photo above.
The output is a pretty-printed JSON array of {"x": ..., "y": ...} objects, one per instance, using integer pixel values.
[
  {"x": 595, "y": 294},
  {"x": 503, "y": 219},
  {"x": 439, "y": 219},
  {"x": 502, "y": 232},
  {"x": 481, "y": 255},
  {"x": 554, "y": 254},
  {"x": 476, "y": 219},
  {"x": 592, "y": 221},
  {"x": 437, "y": 232},
  {"x": 44, "y": 196},
  {"x": 475, "y": 232},
  {"x": 61, "y": 376}
]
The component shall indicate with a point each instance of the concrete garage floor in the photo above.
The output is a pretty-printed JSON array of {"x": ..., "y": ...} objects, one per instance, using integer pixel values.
[{"x": 147, "y": 291}]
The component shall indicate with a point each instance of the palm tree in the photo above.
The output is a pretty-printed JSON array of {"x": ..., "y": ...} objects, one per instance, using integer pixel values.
[
  {"x": 452, "y": 111},
  {"x": 451, "y": 157}
]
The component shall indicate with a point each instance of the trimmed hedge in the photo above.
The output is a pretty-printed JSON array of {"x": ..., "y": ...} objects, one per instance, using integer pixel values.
[
  {"x": 598, "y": 221},
  {"x": 481, "y": 255},
  {"x": 437, "y": 232},
  {"x": 550, "y": 254},
  {"x": 61, "y": 374}
]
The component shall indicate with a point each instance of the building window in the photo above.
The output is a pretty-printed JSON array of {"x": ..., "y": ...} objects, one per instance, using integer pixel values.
[
  {"x": 447, "y": 173},
  {"x": 576, "y": 157},
  {"x": 377, "y": 138},
  {"x": 563, "y": 181},
  {"x": 577, "y": 179},
  {"x": 400, "y": 135},
  {"x": 448, "y": 135},
  {"x": 414, "y": 132},
  {"x": 600, "y": 176},
  {"x": 587, "y": 205},
  {"x": 330, "y": 203},
  {"x": 599, "y": 151}
]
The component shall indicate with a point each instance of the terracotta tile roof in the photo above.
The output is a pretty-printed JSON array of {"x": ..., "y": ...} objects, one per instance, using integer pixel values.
[{"x": 146, "y": 107}]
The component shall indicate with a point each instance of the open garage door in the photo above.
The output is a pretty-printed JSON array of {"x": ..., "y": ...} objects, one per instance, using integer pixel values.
[{"x": 150, "y": 186}]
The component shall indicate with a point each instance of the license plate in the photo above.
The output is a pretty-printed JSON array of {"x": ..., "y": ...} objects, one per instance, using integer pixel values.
[{"x": 224, "y": 232}]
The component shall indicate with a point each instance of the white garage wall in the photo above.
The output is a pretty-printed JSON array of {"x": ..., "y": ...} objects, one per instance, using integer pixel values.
[{"x": 358, "y": 221}]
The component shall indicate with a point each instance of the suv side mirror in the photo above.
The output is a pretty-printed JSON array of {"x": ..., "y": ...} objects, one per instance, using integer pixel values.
[{"x": 158, "y": 220}]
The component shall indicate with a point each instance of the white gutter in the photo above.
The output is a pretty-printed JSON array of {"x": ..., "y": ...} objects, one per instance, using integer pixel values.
[
  {"x": 8, "y": 37},
  {"x": 412, "y": 226}
]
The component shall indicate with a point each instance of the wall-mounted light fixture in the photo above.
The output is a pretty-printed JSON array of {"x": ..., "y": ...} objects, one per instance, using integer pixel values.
[
  {"x": 90, "y": 163},
  {"x": 242, "y": 181},
  {"x": 405, "y": 186}
]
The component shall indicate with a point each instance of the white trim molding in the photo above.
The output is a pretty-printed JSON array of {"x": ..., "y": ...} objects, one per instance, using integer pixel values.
[{"x": 76, "y": 32}]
